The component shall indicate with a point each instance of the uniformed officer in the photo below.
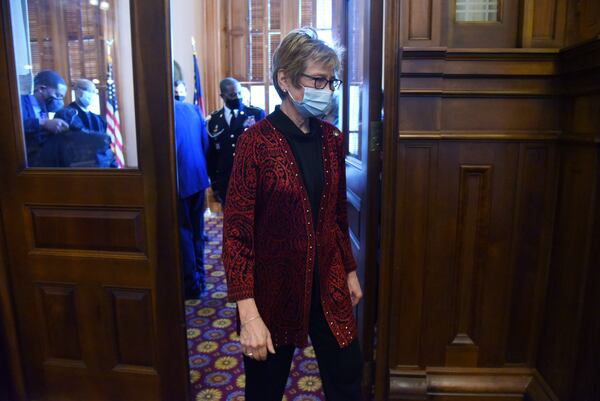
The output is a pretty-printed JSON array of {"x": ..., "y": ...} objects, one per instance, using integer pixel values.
[{"x": 224, "y": 128}]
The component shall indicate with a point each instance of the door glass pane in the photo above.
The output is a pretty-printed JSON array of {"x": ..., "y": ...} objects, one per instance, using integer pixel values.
[
  {"x": 356, "y": 87},
  {"x": 476, "y": 10},
  {"x": 75, "y": 76}
]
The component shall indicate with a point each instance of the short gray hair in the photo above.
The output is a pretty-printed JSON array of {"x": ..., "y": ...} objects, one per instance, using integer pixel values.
[
  {"x": 296, "y": 48},
  {"x": 85, "y": 84}
]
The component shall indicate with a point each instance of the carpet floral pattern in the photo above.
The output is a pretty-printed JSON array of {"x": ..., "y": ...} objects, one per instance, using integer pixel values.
[{"x": 215, "y": 358}]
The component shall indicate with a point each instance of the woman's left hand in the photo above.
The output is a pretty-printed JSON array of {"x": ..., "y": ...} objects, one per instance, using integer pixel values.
[{"x": 354, "y": 287}]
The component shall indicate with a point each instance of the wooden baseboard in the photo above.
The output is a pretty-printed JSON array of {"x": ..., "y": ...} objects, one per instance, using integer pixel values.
[
  {"x": 539, "y": 390},
  {"x": 470, "y": 384}
]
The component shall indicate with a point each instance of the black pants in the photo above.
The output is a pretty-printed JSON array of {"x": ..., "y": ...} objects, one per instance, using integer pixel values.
[
  {"x": 191, "y": 243},
  {"x": 340, "y": 368}
]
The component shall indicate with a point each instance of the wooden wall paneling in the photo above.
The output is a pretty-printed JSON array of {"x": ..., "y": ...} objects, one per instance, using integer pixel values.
[
  {"x": 290, "y": 16},
  {"x": 589, "y": 19},
  {"x": 238, "y": 39},
  {"x": 59, "y": 49},
  {"x": 544, "y": 23},
  {"x": 215, "y": 41},
  {"x": 583, "y": 21},
  {"x": 569, "y": 268},
  {"x": 415, "y": 194},
  {"x": 530, "y": 250},
  {"x": 567, "y": 354},
  {"x": 475, "y": 179},
  {"x": 12, "y": 384},
  {"x": 501, "y": 34},
  {"x": 587, "y": 366},
  {"x": 473, "y": 222},
  {"x": 478, "y": 183},
  {"x": 421, "y": 23}
]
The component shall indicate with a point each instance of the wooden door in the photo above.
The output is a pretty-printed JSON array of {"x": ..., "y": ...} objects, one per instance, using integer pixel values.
[
  {"x": 91, "y": 255},
  {"x": 472, "y": 142},
  {"x": 362, "y": 127}
]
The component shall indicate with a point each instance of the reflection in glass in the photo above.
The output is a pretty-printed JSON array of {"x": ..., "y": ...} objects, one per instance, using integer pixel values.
[
  {"x": 75, "y": 82},
  {"x": 356, "y": 75},
  {"x": 476, "y": 10}
]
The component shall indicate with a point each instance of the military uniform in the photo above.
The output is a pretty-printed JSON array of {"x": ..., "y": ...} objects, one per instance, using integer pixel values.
[{"x": 223, "y": 138}]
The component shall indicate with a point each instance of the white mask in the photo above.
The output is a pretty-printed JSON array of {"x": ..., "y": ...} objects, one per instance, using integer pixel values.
[
  {"x": 85, "y": 98},
  {"x": 316, "y": 102}
]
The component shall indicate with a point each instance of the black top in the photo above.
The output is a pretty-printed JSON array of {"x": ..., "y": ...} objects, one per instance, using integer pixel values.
[{"x": 307, "y": 152}]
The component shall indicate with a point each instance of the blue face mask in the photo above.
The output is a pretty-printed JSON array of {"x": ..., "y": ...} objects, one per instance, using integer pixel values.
[{"x": 316, "y": 102}]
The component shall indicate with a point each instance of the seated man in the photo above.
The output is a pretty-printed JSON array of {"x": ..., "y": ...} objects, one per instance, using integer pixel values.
[
  {"x": 49, "y": 90},
  {"x": 80, "y": 118}
]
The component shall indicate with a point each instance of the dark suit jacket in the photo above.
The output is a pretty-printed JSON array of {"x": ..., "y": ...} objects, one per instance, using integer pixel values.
[
  {"x": 89, "y": 123},
  {"x": 191, "y": 141},
  {"x": 270, "y": 242},
  {"x": 35, "y": 136},
  {"x": 79, "y": 120},
  {"x": 223, "y": 140}
]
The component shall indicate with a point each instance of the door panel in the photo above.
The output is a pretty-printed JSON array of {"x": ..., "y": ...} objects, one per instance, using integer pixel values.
[
  {"x": 363, "y": 162},
  {"x": 92, "y": 254}
]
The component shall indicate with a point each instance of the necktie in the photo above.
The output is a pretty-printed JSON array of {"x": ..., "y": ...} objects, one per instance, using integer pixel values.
[{"x": 233, "y": 117}]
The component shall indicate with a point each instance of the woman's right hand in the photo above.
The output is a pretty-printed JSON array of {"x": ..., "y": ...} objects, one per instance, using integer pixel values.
[
  {"x": 256, "y": 340},
  {"x": 254, "y": 334}
]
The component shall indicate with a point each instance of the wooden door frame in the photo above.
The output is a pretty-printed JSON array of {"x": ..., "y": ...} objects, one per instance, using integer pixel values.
[
  {"x": 9, "y": 340},
  {"x": 371, "y": 219},
  {"x": 9, "y": 333},
  {"x": 392, "y": 58},
  {"x": 152, "y": 72},
  {"x": 372, "y": 205}
]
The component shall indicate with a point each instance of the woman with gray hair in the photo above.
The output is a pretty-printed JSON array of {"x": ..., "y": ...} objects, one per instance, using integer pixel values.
[{"x": 286, "y": 246}]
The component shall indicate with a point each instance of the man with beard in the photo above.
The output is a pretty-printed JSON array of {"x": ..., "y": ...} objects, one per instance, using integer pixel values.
[{"x": 49, "y": 90}]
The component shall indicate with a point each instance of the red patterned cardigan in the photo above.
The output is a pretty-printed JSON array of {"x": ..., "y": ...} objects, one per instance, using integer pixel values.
[{"x": 269, "y": 241}]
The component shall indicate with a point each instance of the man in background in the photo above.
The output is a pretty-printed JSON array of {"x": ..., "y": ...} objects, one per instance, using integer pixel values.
[
  {"x": 49, "y": 90},
  {"x": 224, "y": 128},
  {"x": 191, "y": 141},
  {"x": 180, "y": 90},
  {"x": 78, "y": 114},
  {"x": 80, "y": 118}
]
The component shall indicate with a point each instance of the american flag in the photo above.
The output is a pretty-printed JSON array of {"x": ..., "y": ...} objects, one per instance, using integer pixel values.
[
  {"x": 197, "y": 86},
  {"x": 113, "y": 122}
]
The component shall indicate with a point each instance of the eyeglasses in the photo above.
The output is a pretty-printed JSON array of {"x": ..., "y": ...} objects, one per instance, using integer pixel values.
[{"x": 321, "y": 82}]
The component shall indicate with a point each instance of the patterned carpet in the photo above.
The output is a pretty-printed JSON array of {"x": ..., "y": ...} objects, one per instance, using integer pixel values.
[{"x": 216, "y": 368}]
